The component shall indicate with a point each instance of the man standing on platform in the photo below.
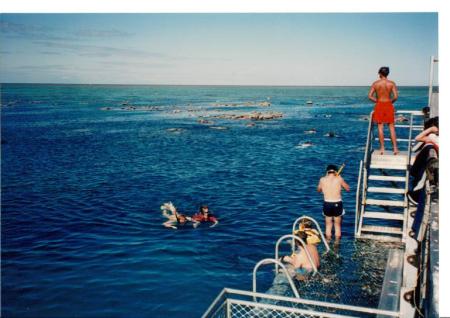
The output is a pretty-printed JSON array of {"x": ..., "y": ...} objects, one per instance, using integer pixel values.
[{"x": 384, "y": 108}]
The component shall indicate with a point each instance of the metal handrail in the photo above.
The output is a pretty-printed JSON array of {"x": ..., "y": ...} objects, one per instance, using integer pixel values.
[
  {"x": 357, "y": 200},
  {"x": 238, "y": 294},
  {"x": 267, "y": 261},
  {"x": 430, "y": 83},
  {"x": 317, "y": 227},
  {"x": 408, "y": 165},
  {"x": 368, "y": 140},
  {"x": 277, "y": 246},
  {"x": 215, "y": 302}
]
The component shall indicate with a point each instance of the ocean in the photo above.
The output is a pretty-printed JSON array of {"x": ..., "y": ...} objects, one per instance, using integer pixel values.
[{"x": 85, "y": 169}]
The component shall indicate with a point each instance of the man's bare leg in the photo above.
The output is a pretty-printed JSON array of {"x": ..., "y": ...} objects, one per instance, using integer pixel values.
[
  {"x": 328, "y": 226},
  {"x": 393, "y": 138},
  {"x": 381, "y": 137},
  {"x": 337, "y": 227}
]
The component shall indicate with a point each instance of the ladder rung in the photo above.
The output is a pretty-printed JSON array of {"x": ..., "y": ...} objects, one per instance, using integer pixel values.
[
  {"x": 398, "y": 139},
  {"x": 417, "y": 128},
  {"x": 388, "y": 166},
  {"x": 385, "y": 190},
  {"x": 385, "y": 202},
  {"x": 387, "y": 178},
  {"x": 384, "y": 238},
  {"x": 388, "y": 154},
  {"x": 414, "y": 112},
  {"x": 382, "y": 229},
  {"x": 383, "y": 215},
  {"x": 407, "y": 126}
]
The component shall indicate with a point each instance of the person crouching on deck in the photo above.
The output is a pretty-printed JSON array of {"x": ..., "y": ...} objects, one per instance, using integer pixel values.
[
  {"x": 204, "y": 215},
  {"x": 333, "y": 210},
  {"x": 299, "y": 259}
]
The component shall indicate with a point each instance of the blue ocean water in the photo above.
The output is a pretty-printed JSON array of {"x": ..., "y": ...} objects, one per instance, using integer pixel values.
[{"x": 85, "y": 169}]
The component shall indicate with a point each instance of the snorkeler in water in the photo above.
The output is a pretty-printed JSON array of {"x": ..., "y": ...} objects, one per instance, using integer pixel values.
[
  {"x": 175, "y": 219},
  {"x": 204, "y": 215}
]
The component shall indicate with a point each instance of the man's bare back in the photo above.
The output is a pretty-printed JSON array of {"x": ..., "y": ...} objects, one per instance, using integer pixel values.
[
  {"x": 383, "y": 88},
  {"x": 331, "y": 186}
]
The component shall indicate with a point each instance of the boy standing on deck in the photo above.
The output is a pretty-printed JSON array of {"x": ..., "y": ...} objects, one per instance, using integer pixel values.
[
  {"x": 384, "y": 106},
  {"x": 331, "y": 186}
]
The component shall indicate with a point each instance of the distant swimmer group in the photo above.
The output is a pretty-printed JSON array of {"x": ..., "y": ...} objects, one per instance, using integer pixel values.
[{"x": 176, "y": 220}]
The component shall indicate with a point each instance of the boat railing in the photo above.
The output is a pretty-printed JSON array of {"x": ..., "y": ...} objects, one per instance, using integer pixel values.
[
  {"x": 408, "y": 166},
  {"x": 358, "y": 197},
  {"x": 268, "y": 261},
  {"x": 362, "y": 180},
  {"x": 305, "y": 217},
  {"x": 302, "y": 243},
  {"x": 240, "y": 304}
]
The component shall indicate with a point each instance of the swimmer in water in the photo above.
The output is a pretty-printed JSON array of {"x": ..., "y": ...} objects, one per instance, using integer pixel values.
[
  {"x": 305, "y": 144},
  {"x": 204, "y": 215},
  {"x": 175, "y": 219}
]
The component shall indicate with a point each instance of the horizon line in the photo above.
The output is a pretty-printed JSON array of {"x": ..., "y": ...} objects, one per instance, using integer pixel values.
[{"x": 209, "y": 85}]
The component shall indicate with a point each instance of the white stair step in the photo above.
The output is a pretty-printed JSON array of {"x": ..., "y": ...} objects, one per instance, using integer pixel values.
[
  {"x": 387, "y": 166},
  {"x": 414, "y": 112},
  {"x": 389, "y": 153},
  {"x": 407, "y": 126},
  {"x": 398, "y": 139},
  {"x": 387, "y": 178},
  {"x": 382, "y": 229},
  {"x": 385, "y": 190},
  {"x": 383, "y": 238},
  {"x": 385, "y": 202},
  {"x": 383, "y": 215}
]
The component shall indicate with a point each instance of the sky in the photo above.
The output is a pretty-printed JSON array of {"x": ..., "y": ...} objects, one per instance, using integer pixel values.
[{"x": 217, "y": 49}]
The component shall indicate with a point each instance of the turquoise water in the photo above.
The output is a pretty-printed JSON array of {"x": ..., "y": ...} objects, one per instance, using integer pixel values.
[{"x": 86, "y": 168}]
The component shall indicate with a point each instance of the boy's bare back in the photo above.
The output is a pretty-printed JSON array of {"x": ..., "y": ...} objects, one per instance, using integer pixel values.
[
  {"x": 331, "y": 186},
  {"x": 383, "y": 88}
]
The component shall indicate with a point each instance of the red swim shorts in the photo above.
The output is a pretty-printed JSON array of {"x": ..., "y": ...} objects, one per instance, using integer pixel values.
[{"x": 383, "y": 113}]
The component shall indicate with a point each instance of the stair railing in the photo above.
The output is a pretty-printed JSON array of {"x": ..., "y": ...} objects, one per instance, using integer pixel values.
[
  {"x": 358, "y": 197},
  {"x": 408, "y": 166},
  {"x": 268, "y": 261},
  {"x": 366, "y": 167}
]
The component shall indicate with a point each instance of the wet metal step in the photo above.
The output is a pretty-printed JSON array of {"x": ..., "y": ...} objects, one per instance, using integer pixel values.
[
  {"x": 385, "y": 202},
  {"x": 398, "y": 139},
  {"x": 383, "y": 215},
  {"x": 384, "y": 238},
  {"x": 388, "y": 166},
  {"x": 387, "y": 178},
  {"x": 414, "y": 127},
  {"x": 382, "y": 229},
  {"x": 385, "y": 190}
]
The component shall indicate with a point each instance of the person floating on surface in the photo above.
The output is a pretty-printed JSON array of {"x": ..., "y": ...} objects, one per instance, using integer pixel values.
[
  {"x": 175, "y": 219},
  {"x": 204, "y": 215},
  {"x": 384, "y": 106},
  {"x": 333, "y": 210}
]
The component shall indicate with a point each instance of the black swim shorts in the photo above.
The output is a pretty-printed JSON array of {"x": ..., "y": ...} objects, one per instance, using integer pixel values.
[{"x": 333, "y": 209}]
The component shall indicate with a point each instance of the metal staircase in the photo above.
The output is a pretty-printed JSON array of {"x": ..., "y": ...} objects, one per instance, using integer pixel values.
[{"x": 381, "y": 199}]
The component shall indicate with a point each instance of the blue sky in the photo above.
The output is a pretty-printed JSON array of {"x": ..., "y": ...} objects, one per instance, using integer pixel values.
[{"x": 216, "y": 49}]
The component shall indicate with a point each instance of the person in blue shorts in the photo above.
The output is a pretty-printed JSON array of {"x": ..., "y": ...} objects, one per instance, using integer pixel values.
[{"x": 331, "y": 186}]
